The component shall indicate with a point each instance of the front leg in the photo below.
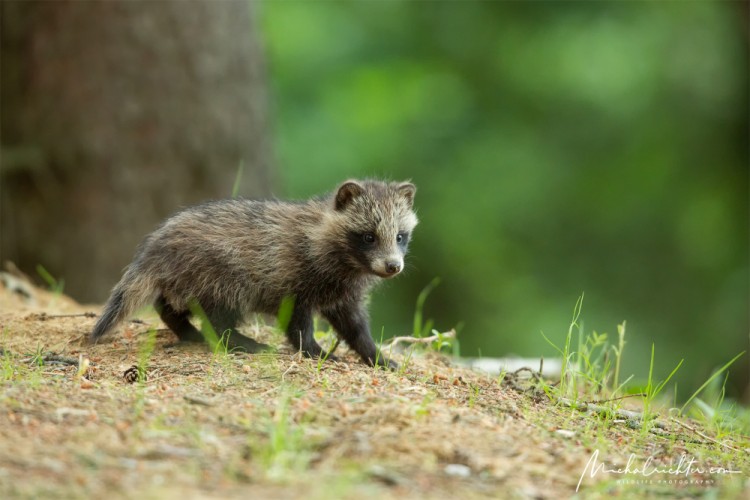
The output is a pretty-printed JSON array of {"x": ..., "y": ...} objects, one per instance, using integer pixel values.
[
  {"x": 353, "y": 326},
  {"x": 300, "y": 333}
]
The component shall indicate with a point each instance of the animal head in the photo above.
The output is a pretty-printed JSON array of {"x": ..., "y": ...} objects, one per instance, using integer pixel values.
[{"x": 376, "y": 220}]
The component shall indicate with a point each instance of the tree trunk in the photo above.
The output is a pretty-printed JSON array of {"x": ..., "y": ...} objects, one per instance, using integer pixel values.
[{"x": 116, "y": 114}]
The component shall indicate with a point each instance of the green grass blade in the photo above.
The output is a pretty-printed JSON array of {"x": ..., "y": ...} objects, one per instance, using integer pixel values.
[
  {"x": 419, "y": 328},
  {"x": 237, "y": 179},
  {"x": 207, "y": 329},
  {"x": 661, "y": 385},
  {"x": 716, "y": 374}
]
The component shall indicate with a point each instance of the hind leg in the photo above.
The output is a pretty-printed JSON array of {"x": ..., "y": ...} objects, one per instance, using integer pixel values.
[
  {"x": 177, "y": 322},
  {"x": 224, "y": 324},
  {"x": 300, "y": 334}
]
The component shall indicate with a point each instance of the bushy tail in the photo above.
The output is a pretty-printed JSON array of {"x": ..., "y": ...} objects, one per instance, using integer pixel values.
[{"x": 130, "y": 294}]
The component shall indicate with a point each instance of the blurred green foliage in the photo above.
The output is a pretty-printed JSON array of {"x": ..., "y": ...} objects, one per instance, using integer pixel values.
[{"x": 558, "y": 148}]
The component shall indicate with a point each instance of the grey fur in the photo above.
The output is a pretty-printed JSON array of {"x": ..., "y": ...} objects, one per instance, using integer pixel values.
[{"x": 236, "y": 257}]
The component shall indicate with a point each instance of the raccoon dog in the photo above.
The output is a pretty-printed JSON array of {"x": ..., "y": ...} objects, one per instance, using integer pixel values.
[{"x": 235, "y": 257}]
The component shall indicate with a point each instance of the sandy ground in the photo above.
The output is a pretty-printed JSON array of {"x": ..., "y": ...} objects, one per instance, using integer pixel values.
[{"x": 216, "y": 425}]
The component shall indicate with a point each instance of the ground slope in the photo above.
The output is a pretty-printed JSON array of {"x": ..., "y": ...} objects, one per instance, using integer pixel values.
[{"x": 216, "y": 425}]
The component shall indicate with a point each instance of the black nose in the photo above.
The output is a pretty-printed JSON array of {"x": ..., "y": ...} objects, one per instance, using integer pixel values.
[{"x": 392, "y": 267}]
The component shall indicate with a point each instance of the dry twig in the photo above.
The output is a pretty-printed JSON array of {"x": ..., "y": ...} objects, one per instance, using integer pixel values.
[
  {"x": 451, "y": 334},
  {"x": 86, "y": 314},
  {"x": 198, "y": 400},
  {"x": 599, "y": 401},
  {"x": 708, "y": 438},
  {"x": 56, "y": 358}
]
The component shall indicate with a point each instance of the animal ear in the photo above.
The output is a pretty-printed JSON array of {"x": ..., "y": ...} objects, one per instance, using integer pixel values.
[
  {"x": 407, "y": 190},
  {"x": 347, "y": 192}
]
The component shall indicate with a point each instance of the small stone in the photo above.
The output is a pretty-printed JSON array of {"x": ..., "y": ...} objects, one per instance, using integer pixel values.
[
  {"x": 457, "y": 470},
  {"x": 565, "y": 433}
]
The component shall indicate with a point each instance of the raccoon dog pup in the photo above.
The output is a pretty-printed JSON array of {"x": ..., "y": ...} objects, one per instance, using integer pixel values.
[{"x": 235, "y": 257}]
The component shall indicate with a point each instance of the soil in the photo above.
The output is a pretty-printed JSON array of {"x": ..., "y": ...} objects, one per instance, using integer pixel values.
[{"x": 209, "y": 424}]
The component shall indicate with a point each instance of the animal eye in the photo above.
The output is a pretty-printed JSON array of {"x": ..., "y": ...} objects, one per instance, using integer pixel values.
[
  {"x": 402, "y": 237},
  {"x": 368, "y": 238}
]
